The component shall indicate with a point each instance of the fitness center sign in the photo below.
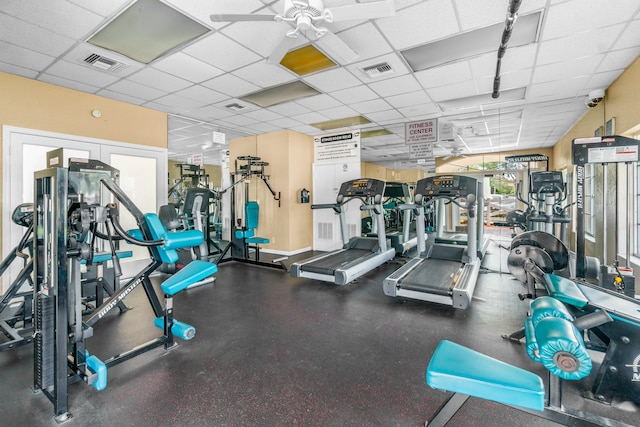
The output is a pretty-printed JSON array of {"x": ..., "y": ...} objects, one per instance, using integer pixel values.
[{"x": 335, "y": 147}]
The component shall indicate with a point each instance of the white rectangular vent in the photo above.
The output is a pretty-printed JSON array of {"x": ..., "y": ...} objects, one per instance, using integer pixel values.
[
  {"x": 325, "y": 231},
  {"x": 104, "y": 63},
  {"x": 235, "y": 107},
  {"x": 378, "y": 69},
  {"x": 352, "y": 230}
]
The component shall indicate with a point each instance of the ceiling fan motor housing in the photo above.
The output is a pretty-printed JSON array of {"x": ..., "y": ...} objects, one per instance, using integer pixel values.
[{"x": 311, "y": 8}]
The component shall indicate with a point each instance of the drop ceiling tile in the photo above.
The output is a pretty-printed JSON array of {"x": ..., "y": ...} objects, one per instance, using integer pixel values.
[
  {"x": 585, "y": 15},
  {"x": 137, "y": 90},
  {"x": 475, "y": 14},
  {"x": 33, "y": 37},
  {"x": 567, "y": 69},
  {"x": 318, "y": 102},
  {"x": 202, "y": 94},
  {"x": 371, "y": 106},
  {"x": 630, "y": 37},
  {"x": 240, "y": 120},
  {"x": 265, "y": 75},
  {"x": 71, "y": 84},
  {"x": 577, "y": 46},
  {"x": 159, "y": 79},
  {"x": 202, "y": 10},
  {"x": 214, "y": 49},
  {"x": 396, "y": 86},
  {"x": 285, "y": 123},
  {"x": 309, "y": 118},
  {"x": 81, "y": 74},
  {"x": 231, "y": 85},
  {"x": 385, "y": 116},
  {"x": 418, "y": 111},
  {"x": 332, "y": 80},
  {"x": 263, "y": 115},
  {"x": 602, "y": 80},
  {"x": 446, "y": 74},
  {"x": 354, "y": 94},
  {"x": 289, "y": 109},
  {"x": 264, "y": 128},
  {"x": 454, "y": 91},
  {"x": 160, "y": 107},
  {"x": 260, "y": 37},
  {"x": 25, "y": 58},
  {"x": 512, "y": 80},
  {"x": 421, "y": 23},
  {"x": 120, "y": 97},
  {"x": 102, "y": 7},
  {"x": 366, "y": 41},
  {"x": 18, "y": 71},
  {"x": 619, "y": 59},
  {"x": 187, "y": 67},
  {"x": 79, "y": 22},
  {"x": 558, "y": 88},
  {"x": 210, "y": 113},
  {"x": 307, "y": 130},
  {"x": 338, "y": 113},
  {"x": 179, "y": 102}
]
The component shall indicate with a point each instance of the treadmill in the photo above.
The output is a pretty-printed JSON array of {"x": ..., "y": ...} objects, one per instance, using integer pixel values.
[
  {"x": 397, "y": 194},
  {"x": 359, "y": 255},
  {"x": 443, "y": 273}
]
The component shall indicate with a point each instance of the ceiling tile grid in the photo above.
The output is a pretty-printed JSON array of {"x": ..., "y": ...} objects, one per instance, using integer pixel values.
[{"x": 582, "y": 45}]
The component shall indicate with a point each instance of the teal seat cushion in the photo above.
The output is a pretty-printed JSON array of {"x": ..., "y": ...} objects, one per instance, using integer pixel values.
[
  {"x": 459, "y": 369},
  {"x": 187, "y": 276},
  {"x": 564, "y": 290}
]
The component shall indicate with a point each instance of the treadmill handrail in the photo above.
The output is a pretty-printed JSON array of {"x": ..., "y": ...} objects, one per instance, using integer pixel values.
[{"x": 335, "y": 206}]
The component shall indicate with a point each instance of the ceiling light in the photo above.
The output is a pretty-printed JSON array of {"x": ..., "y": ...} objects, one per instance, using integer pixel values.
[
  {"x": 342, "y": 123},
  {"x": 472, "y": 43},
  {"x": 306, "y": 60},
  {"x": 279, "y": 94},
  {"x": 147, "y": 30},
  {"x": 483, "y": 99},
  {"x": 374, "y": 132}
]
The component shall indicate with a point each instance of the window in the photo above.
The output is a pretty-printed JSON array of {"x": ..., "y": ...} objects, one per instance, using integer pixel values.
[
  {"x": 589, "y": 200},
  {"x": 635, "y": 243}
]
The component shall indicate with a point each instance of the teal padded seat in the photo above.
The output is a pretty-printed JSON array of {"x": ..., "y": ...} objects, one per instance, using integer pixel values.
[
  {"x": 458, "y": 369},
  {"x": 194, "y": 271},
  {"x": 251, "y": 214}
]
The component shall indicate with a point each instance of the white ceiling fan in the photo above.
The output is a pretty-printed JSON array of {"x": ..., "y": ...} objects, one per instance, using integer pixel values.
[
  {"x": 455, "y": 152},
  {"x": 308, "y": 15}
]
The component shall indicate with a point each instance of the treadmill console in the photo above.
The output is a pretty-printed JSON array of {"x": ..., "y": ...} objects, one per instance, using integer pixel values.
[
  {"x": 446, "y": 185},
  {"x": 362, "y": 187},
  {"x": 546, "y": 182}
]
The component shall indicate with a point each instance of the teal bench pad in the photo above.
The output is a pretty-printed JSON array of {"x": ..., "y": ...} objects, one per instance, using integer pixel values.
[
  {"x": 458, "y": 369},
  {"x": 564, "y": 290},
  {"x": 187, "y": 276}
]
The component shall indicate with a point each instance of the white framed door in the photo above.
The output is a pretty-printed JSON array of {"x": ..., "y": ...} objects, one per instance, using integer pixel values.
[{"x": 24, "y": 152}]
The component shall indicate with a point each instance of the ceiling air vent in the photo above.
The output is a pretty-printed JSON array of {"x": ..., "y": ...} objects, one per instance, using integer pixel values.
[
  {"x": 374, "y": 71},
  {"x": 235, "y": 107},
  {"x": 104, "y": 63}
]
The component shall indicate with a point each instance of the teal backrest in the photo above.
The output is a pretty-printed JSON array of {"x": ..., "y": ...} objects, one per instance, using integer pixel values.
[{"x": 251, "y": 213}]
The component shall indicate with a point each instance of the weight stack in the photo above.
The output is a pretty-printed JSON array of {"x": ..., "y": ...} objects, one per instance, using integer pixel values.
[{"x": 44, "y": 342}]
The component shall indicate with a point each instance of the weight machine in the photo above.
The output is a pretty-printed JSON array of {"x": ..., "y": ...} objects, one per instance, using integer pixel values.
[{"x": 69, "y": 222}]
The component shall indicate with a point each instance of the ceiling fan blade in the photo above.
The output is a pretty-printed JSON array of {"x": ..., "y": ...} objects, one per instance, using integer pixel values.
[
  {"x": 336, "y": 48},
  {"x": 362, "y": 11},
  {"x": 281, "y": 50},
  {"x": 232, "y": 17}
]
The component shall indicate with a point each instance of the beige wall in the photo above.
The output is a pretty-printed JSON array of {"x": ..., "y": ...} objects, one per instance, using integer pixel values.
[
  {"x": 32, "y": 104},
  {"x": 290, "y": 156}
]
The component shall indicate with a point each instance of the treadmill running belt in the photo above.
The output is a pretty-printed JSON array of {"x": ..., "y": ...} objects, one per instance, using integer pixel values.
[
  {"x": 433, "y": 276},
  {"x": 329, "y": 264}
]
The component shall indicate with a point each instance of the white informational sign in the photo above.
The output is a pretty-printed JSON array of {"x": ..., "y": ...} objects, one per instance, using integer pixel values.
[
  {"x": 445, "y": 131},
  {"x": 197, "y": 159},
  {"x": 421, "y": 151},
  {"x": 219, "y": 137},
  {"x": 337, "y": 147},
  {"x": 421, "y": 132},
  {"x": 613, "y": 154}
]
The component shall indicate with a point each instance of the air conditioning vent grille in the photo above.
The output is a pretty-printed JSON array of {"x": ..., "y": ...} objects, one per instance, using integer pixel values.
[
  {"x": 378, "y": 69},
  {"x": 104, "y": 63}
]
